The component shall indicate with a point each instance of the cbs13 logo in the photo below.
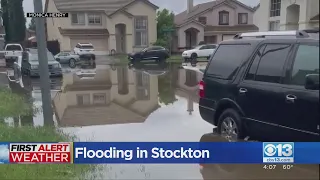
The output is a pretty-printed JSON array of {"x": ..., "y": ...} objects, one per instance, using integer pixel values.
[{"x": 278, "y": 149}]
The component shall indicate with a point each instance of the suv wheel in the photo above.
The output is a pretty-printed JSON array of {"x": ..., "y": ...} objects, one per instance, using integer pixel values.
[{"x": 230, "y": 125}]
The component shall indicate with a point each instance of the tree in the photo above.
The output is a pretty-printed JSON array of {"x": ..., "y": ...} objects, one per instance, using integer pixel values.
[
  {"x": 5, "y": 19},
  {"x": 32, "y": 24},
  {"x": 17, "y": 21},
  {"x": 165, "y": 20}
]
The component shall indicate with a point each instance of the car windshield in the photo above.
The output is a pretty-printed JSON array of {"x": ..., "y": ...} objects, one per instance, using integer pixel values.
[
  {"x": 13, "y": 48},
  {"x": 86, "y": 47},
  {"x": 197, "y": 47},
  {"x": 34, "y": 57}
]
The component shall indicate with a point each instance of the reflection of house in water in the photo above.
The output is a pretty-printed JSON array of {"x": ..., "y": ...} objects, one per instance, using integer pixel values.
[
  {"x": 188, "y": 86},
  {"x": 109, "y": 97}
]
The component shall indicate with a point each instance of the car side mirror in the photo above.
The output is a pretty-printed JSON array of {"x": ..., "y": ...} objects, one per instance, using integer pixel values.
[{"x": 312, "y": 82}]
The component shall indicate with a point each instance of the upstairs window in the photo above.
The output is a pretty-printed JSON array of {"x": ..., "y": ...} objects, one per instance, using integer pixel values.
[
  {"x": 78, "y": 18},
  {"x": 243, "y": 18},
  {"x": 141, "y": 30},
  {"x": 94, "y": 18},
  {"x": 203, "y": 20},
  {"x": 223, "y": 18},
  {"x": 275, "y": 8}
]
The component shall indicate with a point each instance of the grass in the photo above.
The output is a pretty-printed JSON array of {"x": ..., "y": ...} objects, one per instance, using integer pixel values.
[{"x": 33, "y": 134}]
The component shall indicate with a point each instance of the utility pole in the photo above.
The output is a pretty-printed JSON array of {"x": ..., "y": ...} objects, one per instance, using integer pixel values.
[{"x": 43, "y": 65}]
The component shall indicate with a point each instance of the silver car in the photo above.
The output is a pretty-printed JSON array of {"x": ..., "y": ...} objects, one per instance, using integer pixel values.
[{"x": 67, "y": 58}]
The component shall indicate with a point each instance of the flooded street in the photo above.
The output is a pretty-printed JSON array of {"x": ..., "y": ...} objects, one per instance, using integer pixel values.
[{"x": 137, "y": 103}]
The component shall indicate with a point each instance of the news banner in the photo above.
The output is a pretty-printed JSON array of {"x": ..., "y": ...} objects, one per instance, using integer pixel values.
[{"x": 160, "y": 152}]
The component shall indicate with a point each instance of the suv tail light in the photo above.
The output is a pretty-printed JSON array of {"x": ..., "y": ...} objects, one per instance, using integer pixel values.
[{"x": 201, "y": 89}]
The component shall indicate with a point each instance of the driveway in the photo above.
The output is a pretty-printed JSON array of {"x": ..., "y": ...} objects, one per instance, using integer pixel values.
[{"x": 143, "y": 102}]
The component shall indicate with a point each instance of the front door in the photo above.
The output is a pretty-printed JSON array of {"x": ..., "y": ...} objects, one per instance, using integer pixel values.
[
  {"x": 260, "y": 93},
  {"x": 302, "y": 105}
]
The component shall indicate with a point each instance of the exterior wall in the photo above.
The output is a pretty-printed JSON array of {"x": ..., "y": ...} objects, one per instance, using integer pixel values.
[
  {"x": 141, "y": 9},
  {"x": 261, "y": 16},
  {"x": 308, "y": 9},
  {"x": 137, "y": 9}
]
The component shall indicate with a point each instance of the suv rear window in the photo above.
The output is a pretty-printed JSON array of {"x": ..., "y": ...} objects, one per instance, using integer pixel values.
[
  {"x": 13, "y": 48},
  {"x": 226, "y": 60}
]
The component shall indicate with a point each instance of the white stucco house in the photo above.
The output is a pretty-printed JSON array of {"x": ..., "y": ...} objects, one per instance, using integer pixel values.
[
  {"x": 212, "y": 22},
  {"x": 273, "y": 15},
  {"x": 121, "y": 25}
]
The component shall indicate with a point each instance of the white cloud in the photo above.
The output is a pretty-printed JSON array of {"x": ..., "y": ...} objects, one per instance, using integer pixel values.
[{"x": 4, "y": 152}]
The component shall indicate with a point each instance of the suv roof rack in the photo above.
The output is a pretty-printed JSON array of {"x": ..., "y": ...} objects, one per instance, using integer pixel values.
[{"x": 296, "y": 34}]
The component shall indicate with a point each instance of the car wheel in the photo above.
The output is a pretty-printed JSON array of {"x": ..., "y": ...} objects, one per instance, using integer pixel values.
[
  {"x": 194, "y": 56},
  {"x": 72, "y": 63},
  {"x": 230, "y": 125}
]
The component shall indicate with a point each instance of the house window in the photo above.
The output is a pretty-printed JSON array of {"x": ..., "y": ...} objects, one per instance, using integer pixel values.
[
  {"x": 99, "y": 99},
  {"x": 243, "y": 18},
  {"x": 94, "y": 18},
  {"x": 141, "y": 31},
  {"x": 78, "y": 18},
  {"x": 274, "y": 26},
  {"x": 275, "y": 8},
  {"x": 203, "y": 20},
  {"x": 223, "y": 18},
  {"x": 83, "y": 99}
]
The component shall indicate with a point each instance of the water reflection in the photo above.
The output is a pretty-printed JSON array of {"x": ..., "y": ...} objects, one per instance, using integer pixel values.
[
  {"x": 253, "y": 171},
  {"x": 108, "y": 94}
]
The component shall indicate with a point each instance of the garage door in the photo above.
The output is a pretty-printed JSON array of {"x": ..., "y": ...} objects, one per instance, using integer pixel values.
[
  {"x": 100, "y": 43},
  {"x": 227, "y": 36}
]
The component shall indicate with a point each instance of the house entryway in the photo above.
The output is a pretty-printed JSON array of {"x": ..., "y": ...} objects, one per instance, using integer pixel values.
[
  {"x": 292, "y": 17},
  {"x": 120, "y": 38},
  {"x": 191, "y": 37}
]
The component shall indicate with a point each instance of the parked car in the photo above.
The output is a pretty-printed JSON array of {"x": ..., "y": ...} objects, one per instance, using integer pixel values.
[
  {"x": 157, "y": 53},
  {"x": 253, "y": 171},
  {"x": 11, "y": 51},
  {"x": 199, "y": 51},
  {"x": 66, "y": 57},
  {"x": 265, "y": 86},
  {"x": 85, "y": 50},
  {"x": 30, "y": 64}
]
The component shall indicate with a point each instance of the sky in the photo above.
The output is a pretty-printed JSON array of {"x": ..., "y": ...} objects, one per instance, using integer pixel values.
[{"x": 176, "y": 6}]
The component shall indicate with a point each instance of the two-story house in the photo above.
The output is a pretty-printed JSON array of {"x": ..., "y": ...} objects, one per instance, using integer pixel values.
[
  {"x": 212, "y": 22},
  {"x": 274, "y": 15},
  {"x": 121, "y": 25}
]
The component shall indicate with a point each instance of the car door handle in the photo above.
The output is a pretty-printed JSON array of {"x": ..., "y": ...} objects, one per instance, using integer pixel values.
[
  {"x": 243, "y": 90},
  {"x": 291, "y": 98}
]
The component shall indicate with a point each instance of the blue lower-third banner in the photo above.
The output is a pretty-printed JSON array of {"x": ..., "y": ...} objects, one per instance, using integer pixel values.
[{"x": 195, "y": 152}]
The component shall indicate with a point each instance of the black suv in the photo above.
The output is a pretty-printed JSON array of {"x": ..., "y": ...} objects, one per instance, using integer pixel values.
[
  {"x": 157, "y": 53},
  {"x": 264, "y": 86}
]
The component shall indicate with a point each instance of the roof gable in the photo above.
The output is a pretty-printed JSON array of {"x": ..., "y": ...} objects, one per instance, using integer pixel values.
[
  {"x": 204, "y": 7},
  {"x": 108, "y": 6}
]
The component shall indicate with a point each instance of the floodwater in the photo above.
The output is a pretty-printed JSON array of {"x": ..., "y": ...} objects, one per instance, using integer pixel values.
[{"x": 139, "y": 103}]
